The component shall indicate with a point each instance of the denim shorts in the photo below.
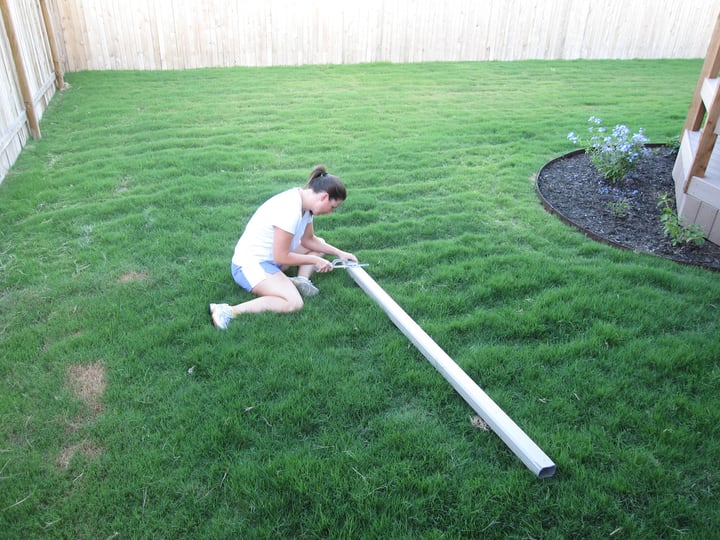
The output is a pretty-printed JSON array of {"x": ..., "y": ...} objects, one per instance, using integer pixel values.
[{"x": 249, "y": 276}]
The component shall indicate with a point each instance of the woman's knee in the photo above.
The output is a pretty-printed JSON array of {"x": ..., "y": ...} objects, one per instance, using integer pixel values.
[
  {"x": 281, "y": 293},
  {"x": 294, "y": 304}
]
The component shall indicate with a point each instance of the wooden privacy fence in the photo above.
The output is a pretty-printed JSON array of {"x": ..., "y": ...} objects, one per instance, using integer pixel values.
[
  {"x": 181, "y": 34},
  {"x": 41, "y": 38},
  {"x": 28, "y": 76}
]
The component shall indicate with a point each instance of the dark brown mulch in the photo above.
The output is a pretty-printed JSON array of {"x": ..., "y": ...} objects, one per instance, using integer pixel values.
[{"x": 571, "y": 187}]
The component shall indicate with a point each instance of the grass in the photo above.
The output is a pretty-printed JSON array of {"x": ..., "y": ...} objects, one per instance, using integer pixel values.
[{"x": 116, "y": 231}]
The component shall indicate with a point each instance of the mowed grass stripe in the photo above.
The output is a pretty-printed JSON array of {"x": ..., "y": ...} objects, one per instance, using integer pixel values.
[{"x": 116, "y": 232}]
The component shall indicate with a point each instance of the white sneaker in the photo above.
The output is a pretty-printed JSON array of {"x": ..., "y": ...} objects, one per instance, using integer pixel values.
[
  {"x": 305, "y": 286},
  {"x": 221, "y": 315}
]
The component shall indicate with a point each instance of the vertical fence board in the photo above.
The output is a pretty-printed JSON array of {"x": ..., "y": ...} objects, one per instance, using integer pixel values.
[
  {"x": 28, "y": 77},
  {"x": 35, "y": 51},
  {"x": 13, "y": 122}
]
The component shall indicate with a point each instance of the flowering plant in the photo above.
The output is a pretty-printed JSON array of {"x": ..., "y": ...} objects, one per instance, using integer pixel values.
[{"x": 614, "y": 154}]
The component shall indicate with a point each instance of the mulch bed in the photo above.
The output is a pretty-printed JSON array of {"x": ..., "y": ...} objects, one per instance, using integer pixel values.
[{"x": 571, "y": 187}]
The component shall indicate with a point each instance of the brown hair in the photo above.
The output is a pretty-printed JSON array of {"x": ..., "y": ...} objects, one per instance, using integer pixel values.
[{"x": 321, "y": 181}]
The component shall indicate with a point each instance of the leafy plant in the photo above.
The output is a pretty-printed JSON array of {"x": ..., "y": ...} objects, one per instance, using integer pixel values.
[
  {"x": 675, "y": 228},
  {"x": 674, "y": 143},
  {"x": 614, "y": 154},
  {"x": 619, "y": 208}
]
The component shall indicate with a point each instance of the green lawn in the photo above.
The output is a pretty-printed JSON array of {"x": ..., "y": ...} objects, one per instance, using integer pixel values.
[{"x": 125, "y": 414}]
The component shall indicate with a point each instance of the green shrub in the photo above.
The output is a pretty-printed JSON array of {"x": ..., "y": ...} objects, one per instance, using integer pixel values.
[{"x": 676, "y": 228}]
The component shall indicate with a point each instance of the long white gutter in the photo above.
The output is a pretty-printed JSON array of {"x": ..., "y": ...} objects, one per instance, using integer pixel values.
[{"x": 515, "y": 438}]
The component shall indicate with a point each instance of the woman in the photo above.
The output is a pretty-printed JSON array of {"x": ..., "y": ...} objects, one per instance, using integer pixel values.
[{"x": 280, "y": 234}]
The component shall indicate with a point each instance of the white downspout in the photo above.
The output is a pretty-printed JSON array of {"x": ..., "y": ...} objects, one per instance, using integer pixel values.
[{"x": 515, "y": 438}]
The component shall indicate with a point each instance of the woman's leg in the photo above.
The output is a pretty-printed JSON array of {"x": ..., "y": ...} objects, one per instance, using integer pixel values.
[
  {"x": 307, "y": 270},
  {"x": 276, "y": 293}
]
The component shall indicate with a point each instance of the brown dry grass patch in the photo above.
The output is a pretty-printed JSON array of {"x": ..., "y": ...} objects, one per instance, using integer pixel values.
[
  {"x": 133, "y": 276},
  {"x": 87, "y": 382},
  {"x": 86, "y": 448}
]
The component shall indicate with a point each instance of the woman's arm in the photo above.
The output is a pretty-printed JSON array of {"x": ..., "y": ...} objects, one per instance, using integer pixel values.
[
  {"x": 315, "y": 243},
  {"x": 284, "y": 257}
]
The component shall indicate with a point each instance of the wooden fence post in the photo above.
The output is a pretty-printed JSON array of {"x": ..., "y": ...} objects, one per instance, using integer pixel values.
[
  {"x": 57, "y": 66},
  {"x": 32, "y": 118}
]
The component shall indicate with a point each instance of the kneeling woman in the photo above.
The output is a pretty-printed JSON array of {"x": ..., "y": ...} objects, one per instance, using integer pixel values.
[{"x": 279, "y": 235}]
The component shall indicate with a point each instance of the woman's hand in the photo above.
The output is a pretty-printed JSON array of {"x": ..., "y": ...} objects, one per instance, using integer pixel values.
[
  {"x": 323, "y": 265},
  {"x": 345, "y": 256}
]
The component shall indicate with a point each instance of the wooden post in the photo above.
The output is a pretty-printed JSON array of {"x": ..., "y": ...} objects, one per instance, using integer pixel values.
[
  {"x": 706, "y": 143},
  {"x": 59, "y": 81},
  {"x": 710, "y": 70},
  {"x": 32, "y": 118}
]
